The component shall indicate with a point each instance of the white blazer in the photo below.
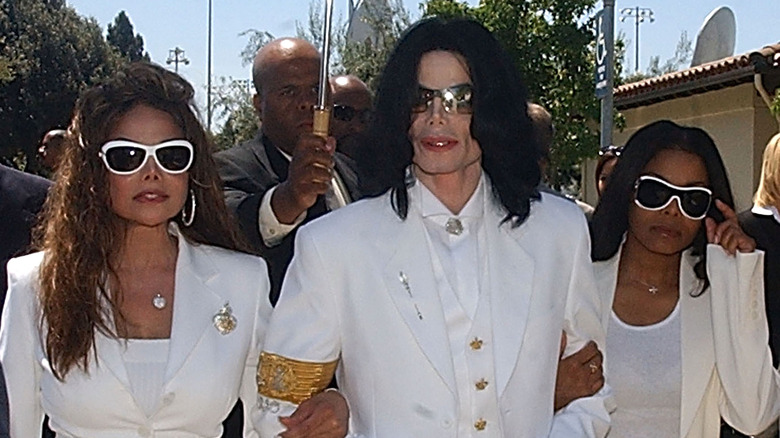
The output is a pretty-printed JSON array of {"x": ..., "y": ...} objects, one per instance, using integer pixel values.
[
  {"x": 344, "y": 296},
  {"x": 726, "y": 363},
  {"x": 206, "y": 371}
]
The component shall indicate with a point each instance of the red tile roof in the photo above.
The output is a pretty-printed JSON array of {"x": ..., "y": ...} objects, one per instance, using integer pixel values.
[{"x": 717, "y": 74}]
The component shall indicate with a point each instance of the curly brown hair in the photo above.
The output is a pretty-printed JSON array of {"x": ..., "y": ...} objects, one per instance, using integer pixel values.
[{"x": 80, "y": 233}]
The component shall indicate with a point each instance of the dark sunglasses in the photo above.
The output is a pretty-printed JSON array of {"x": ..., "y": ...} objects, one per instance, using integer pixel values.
[
  {"x": 456, "y": 98},
  {"x": 617, "y": 150},
  {"x": 125, "y": 157},
  {"x": 346, "y": 113},
  {"x": 653, "y": 193}
]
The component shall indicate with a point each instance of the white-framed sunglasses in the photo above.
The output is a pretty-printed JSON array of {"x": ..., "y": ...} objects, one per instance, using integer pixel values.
[
  {"x": 125, "y": 157},
  {"x": 653, "y": 193}
]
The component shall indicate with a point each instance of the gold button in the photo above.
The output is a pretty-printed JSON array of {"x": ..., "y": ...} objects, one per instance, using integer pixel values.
[
  {"x": 476, "y": 344},
  {"x": 482, "y": 384},
  {"x": 480, "y": 424}
]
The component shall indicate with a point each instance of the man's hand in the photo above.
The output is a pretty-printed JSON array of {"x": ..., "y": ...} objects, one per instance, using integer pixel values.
[
  {"x": 579, "y": 375},
  {"x": 325, "y": 415},
  {"x": 308, "y": 176}
]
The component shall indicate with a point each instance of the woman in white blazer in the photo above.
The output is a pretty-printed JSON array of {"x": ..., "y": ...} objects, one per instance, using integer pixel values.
[
  {"x": 140, "y": 317},
  {"x": 682, "y": 291}
]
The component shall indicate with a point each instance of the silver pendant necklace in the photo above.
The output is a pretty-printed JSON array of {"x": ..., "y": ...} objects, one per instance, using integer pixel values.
[
  {"x": 159, "y": 302},
  {"x": 650, "y": 288}
]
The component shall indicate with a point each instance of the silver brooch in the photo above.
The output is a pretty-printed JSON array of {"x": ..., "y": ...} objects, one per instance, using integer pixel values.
[
  {"x": 405, "y": 282},
  {"x": 454, "y": 226},
  {"x": 224, "y": 320}
]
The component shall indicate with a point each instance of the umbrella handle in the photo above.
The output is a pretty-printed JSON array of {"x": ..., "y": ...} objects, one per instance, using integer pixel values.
[{"x": 321, "y": 122}]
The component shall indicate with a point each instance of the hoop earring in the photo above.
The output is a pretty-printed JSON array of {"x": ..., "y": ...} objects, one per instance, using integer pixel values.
[{"x": 188, "y": 219}]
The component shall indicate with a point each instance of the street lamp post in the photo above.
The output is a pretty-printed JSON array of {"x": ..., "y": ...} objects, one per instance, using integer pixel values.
[
  {"x": 176, "y": 56},
  {"x": 208, "y": 78},
  {"x": 640, "y": 15}
]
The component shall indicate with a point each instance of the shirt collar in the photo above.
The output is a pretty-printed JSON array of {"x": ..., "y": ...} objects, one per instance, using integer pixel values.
[
  {"x": 769, "y": 210},
  {"x": 430, "y": 205}
]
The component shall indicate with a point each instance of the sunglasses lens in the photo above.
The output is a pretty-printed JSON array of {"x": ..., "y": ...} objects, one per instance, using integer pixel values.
[
  {"x": 696, "y": 203},
  {"x": 652, "y": 194},
  {"x": 343, "y": 112},
  {"x": 125, "y": 158},
  {"x": 459, "y": 97},
  {"x": 174, "y": 158},
  {"x": 424, "y": 98}
]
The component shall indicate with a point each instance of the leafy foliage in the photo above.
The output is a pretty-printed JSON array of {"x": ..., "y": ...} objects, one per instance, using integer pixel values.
[
  {"x": 233, "y": 103},
  {"x": 774, "y": 107},
  {"x": 366, "y": 59},
  {"x": 551, "y": 42},
  {"x": 682, "y": 55},
  {"x": 121, "y": 35},
  {"x": 49, "y": 54}
]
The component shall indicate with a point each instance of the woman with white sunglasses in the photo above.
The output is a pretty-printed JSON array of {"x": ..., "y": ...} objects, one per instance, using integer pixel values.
[
  {"x": 683, "y": 293},
  {"x": 143, "y": 314}
]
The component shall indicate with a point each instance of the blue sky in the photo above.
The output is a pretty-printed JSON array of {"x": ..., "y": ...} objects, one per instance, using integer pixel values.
[{"x": 166, "y": 24}]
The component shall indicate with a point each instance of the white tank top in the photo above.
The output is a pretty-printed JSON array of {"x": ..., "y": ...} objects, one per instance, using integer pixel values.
[
  {"x": 145, "y": 361},
  {"x": 645, "y": 372}
]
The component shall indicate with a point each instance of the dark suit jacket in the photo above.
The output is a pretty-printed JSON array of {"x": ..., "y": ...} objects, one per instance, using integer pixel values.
[
  {"x": 248, "y": 171},
  {"x": 21, "y": 199}
]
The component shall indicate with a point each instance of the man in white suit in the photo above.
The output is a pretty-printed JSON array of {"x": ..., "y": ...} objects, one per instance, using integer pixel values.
[{"x": 439, "y": 303}]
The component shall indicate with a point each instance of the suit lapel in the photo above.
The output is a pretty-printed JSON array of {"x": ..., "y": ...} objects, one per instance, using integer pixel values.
[
  {"x": 409, "y": 280},
  {"x": 259, "y": 146},
  {"x": 698, "y": 354},
  {"x": 510, "y": 282},
  {"x": 109, "y": 354},
  {"x": 194, "y": 307},
  {"x": 345, "y": 167}
]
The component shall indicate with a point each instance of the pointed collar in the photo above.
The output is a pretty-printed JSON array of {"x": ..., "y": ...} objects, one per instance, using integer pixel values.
[
  {"x": 429, "y": 205},
  {"x": 769, "y": 210}
]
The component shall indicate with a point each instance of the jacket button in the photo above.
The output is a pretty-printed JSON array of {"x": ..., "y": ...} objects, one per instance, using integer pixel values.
[
  {"x": 144, "y": 431},
  {"x": 476, "y": 344},
  {"x": 482, "y": 384},
  {"x": 446, "y": 423}
]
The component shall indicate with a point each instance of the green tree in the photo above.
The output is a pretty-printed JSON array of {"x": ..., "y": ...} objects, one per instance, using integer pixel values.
[
  {"x": 121, "y": 35},
  {"x": 551, "y": 42},
  {"x": 775, "y": 106},
  {"x": 366, "y": 59},
  {"x": 51, "y": 54},
  {"x": 682, "y": 55},
  {"x": 233, "y": 103}
]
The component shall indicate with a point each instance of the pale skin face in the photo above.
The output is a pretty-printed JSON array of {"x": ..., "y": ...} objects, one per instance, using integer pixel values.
[
  {"x": 150, "y": 197},
  {"x": 447, "y": 159}
]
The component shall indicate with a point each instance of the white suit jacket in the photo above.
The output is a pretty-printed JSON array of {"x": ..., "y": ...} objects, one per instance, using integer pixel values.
[
  {"x": 344, "y": 296},
  {"x": 205, "y": 374},
  {"x": 726, "y": 363}
]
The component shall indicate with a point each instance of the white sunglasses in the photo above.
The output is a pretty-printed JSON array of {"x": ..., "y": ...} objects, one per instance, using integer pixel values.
[{"x": 125, "y": 157}]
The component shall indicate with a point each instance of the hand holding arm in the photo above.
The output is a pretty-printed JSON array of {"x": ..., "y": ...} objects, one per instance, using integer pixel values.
[
  {"x": 326, "y": 415},
  {"x": 579, "y": 375}
]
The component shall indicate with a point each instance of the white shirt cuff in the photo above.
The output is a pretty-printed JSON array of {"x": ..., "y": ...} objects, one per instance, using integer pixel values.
[{"x": 271, "y": 230}]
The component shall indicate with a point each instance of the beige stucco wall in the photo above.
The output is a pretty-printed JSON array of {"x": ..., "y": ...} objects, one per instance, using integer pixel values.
[{"x": 735, "y": 117}]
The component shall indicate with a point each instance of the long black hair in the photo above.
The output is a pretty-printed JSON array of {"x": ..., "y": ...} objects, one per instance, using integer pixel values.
[
  {"x": 500, "y": 121},
  {"x": 610, "y": 219}
]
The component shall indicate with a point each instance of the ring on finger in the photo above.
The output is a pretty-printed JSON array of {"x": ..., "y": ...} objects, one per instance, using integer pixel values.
[{"x": 593, "y": 367}]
